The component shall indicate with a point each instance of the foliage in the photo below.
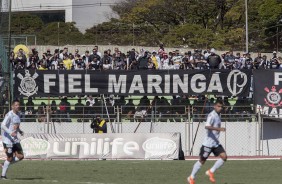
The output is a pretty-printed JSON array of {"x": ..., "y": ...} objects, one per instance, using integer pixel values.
[
  {"x": 193, "y": 23},
  {"x": 24, "y": 23},
  {"x": 62, "y": 33}
]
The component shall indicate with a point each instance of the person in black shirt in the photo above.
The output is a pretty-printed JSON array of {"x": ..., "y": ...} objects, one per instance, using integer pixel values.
[
  {"x": 129, "y": 110},
  {"x": 214, "y": 60},
  {"x": 258, "y": 61},
  {"x": 248, "y": 64},
  {"x": 95, "y": 55},
  {"x": 30, "y": 110},
  {"x": 99, "y": 125},
  {"x": 143, "y": 61},
  {"x": 78, "y": 110},
  {"x": 274, "y": 64},
  {"x": 229, "y": 60}
]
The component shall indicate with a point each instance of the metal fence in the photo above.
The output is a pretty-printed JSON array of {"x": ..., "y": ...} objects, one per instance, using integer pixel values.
[
  {"x": 247, "y": 134},
  {"x": 128, "y": 113}
]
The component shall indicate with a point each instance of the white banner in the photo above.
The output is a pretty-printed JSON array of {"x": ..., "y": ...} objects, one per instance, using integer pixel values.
[{"x": 102, "y": 146}]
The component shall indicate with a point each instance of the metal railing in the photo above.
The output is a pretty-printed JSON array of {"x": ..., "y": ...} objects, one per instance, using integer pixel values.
[{"x": 128, "y": 113}]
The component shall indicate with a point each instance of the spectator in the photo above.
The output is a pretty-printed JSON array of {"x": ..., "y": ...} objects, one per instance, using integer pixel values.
[
  {"x": 129, "y": 110},
  {"x": 248, "y": 62},
  {"x": 99, "y": 125},
  {"x": 63, "y": 110},
  {"x": 229, "y": 60},
  {"x": 209, "y": 106},
  {"x": 61, "y": 66},
  {"x": 274, "y": 55},
  {"x": 188, "y": 60},
  {"x": 86, "y": 59},
  {"x": 106, "y": 61},
  {"x": 199, "y": 60},
  {"x": 97, "y": 50},
  {"x": 143, "y": 61},
  {"x": 207, "y": 54},
  {"x": 176, "y": 59},
  {"x": 30, "y": 110},
  {"x": 79, "y": 110},
  {"x": 161, "y": 50},
  {"x": 95, "y": 64},
  {"x": 156, "y": 60},
  {"x": 95, "y": 55},
  {"x": 165, "y": 110},
  {"x": 54, "y": 111},
  {"x": 132, "y": 56},
  {"x": 151, "y": 65},
  {"x": 76, "y": 53},
  {"x": 238, "y": 61},
  {"x": 274, "y": 63},
  {"x": 213, "y": 60},
  {"x": 265, "y": 63},
  {"x": 177, "y": 107},
  {"x": 67, "y": 62},
  {"x": 41, "y": 113},
  {"x": 258, "y": 61},
  {"x": 145, "y": 101},
  {"x": 134, "y": 65}
]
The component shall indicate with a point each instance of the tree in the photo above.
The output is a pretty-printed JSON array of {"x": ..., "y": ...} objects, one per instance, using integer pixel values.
[
  {"x": 24, "y": 23},
  {"x": 62, "y": 33},
  {"x": 192, "y": 35}
]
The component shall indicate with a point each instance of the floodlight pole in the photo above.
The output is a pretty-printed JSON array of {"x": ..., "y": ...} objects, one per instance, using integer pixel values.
[
  {"x": 9, "y": 52},
  {"x": 247, "y": 26}
]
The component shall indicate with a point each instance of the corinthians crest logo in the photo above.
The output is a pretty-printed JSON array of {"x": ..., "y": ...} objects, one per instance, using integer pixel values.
[
  {"x": 273, "y": 98},
  {"x": 28, "y": 85}
]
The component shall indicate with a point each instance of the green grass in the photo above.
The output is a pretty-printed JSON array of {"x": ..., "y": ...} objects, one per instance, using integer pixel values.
[{"x": 140, "y": 172}]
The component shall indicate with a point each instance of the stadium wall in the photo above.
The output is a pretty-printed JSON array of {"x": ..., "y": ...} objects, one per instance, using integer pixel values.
[{"x": 240, "y": 139}]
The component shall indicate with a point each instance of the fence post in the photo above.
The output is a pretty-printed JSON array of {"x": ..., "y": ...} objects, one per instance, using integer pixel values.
[
  {"x": 260, "y": 134},
  {"x": 187, "y": 136},
  {"x": 118, "y": 119},
  {"x": 48, "y": 119}
]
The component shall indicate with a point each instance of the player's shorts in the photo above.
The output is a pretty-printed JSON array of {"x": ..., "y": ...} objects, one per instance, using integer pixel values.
[
  {"x": 10, "y": 149},
  {"x": 206, "y": 151}
]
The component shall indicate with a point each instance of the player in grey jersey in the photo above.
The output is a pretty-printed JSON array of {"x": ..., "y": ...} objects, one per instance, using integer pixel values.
[
  {"x": 10, "y": 127},
  {"x": 211, "y": 144}
]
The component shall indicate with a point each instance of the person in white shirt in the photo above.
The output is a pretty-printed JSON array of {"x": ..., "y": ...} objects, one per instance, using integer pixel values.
[
  {"x": 166, "y": 64},
  {"x": 211, "y": 144},
  {"x": 98, "y": 53},
  {"x": 10, "y": 128}
]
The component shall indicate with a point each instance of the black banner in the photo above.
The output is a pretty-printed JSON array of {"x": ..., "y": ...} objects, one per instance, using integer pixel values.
[
  {"x": 268, "y": 92},
  {"x": 139, "y": 82}
]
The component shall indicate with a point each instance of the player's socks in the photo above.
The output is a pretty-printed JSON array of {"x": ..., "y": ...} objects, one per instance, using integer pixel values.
[
  {"x": 15, "y": 159},
  {"x": 5, "y": 168},
  {"x": 217, "y": 165},
  {"x": 191, "y": 180},
  {"x": 197, "y": 166}
]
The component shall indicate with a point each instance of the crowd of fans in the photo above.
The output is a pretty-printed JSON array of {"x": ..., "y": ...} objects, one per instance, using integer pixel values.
[
  {"x": 154, "y": 60},
  {"x": 160, "y": 108}
]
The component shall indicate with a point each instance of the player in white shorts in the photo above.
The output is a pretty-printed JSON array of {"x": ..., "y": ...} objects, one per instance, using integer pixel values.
[
  {"x": 10, "y": 127},
  {"x": 211, "y": 144}
]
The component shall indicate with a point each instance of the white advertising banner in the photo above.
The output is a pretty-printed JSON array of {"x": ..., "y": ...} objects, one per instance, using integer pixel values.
[{"x": 102, "y": 146}]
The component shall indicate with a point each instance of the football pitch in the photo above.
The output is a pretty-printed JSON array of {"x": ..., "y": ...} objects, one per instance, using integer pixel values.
[{"x": 140, "y": 172}]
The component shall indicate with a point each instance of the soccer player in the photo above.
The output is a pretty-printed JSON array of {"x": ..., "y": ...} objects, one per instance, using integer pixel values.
[
  {"x": 10, "y": 128},
  {"x": 211, "y": 145}
]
